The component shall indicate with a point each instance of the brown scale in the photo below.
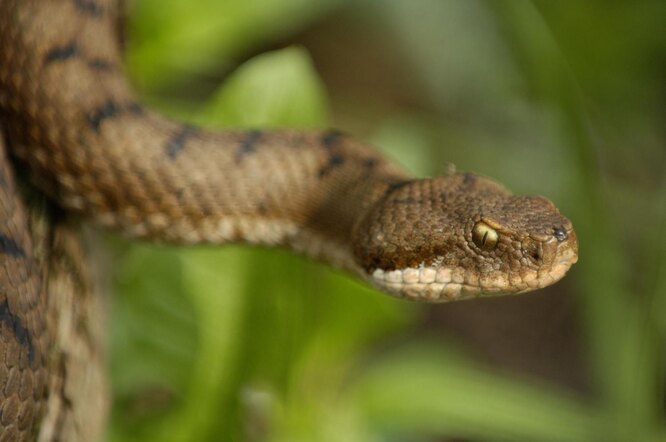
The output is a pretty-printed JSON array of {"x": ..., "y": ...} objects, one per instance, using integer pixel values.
[{"x": 77, "y": 131}]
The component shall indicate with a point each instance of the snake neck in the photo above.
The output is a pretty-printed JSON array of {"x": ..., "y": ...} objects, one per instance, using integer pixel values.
[{"x": 88, "y": 143}]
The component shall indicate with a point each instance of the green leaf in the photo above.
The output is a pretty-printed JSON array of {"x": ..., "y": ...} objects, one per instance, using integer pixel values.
[
  {"x": 218, "y": 300},
  {"x": 173, "y": 39},
  {"x": 423, "y": 389},
  {"x": 279, "y": 88}
]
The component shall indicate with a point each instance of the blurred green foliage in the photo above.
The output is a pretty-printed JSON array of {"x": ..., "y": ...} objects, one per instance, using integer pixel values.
[{"x": 560, "y": 98}]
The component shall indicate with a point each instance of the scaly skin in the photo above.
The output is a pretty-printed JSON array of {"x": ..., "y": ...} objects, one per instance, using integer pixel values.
[{"x": 77, "y": 131}]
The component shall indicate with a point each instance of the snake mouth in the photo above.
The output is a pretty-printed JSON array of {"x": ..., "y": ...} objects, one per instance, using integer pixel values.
[
  {"x": 436, "y": 283},
  {"x": 431, "y": 283}
]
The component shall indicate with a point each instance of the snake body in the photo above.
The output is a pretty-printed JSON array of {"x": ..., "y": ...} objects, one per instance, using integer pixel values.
[{"x": 78, "y": 133}]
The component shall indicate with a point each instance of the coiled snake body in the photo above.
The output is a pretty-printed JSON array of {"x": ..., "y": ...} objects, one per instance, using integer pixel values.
[{"x": 75, "y": 129}]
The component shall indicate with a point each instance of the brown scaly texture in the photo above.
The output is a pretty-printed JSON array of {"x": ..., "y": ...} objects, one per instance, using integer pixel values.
[
  {"x": 77, "y": 132},
  {"x": 50, "y": 343},
  {"x": 23, "y": 322}
]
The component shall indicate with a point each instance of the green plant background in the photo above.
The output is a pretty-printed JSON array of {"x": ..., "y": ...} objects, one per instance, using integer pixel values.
[{"x": 565, "y": 99}]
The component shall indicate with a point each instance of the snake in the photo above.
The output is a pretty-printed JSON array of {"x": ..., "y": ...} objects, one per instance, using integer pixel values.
[{"x": 77, "y": 144}]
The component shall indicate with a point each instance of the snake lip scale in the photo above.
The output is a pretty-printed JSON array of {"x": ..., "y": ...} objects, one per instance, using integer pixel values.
[
  {"x": 436, "y": 283},
  {"x": 73, "y": 128}
]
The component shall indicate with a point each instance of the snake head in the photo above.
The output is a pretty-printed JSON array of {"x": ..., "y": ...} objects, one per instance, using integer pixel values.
[{"x": 462, "y": 236}]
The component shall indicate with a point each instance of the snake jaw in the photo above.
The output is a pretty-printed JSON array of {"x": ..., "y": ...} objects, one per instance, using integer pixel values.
[
  {"x": 437, "y": 282},
  {"x": 443, "y": 284},
  {"x": 426, "y": 283}
]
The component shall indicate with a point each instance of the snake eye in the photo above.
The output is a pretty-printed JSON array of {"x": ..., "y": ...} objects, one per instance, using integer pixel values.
[
  {"x": 484, "y": 236},
  {"x": 560, "y": 233}
]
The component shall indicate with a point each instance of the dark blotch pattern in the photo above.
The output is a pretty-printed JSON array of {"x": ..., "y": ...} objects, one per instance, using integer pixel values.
[
  {"x": 334, "y": 160},
  {"x": 89, "y": 7},
  {"x": 107, "y": 110},
  {"x": 177, "y": 142},
  {"x": 329, "y": 140},
  {"x": 61, "y": 53},
  {"x": 72, "y": 50},
  {"x": 248, "y": 145},
  {"x": 20, "y": 332},
  {"x": 9, "y": 247},
  {"x": 99, "y": 64},
  {"x": 395, "y": 185}
]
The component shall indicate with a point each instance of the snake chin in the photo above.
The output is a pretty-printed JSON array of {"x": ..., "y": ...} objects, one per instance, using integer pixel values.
[
  {"x": 438, "y": 285},
  {"x": 425, "y": 283}
]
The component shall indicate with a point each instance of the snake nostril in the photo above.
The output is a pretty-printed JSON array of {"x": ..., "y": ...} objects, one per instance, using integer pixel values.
[
  {"x": 560, "y": 233},
  {"x": 535, "y": 254}
]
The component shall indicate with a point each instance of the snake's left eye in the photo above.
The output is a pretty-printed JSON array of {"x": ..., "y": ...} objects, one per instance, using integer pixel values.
[{"x": 484, "y": 236}]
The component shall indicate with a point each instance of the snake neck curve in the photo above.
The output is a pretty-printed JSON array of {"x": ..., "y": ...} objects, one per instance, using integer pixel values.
[{"x": 91, "y": 146}]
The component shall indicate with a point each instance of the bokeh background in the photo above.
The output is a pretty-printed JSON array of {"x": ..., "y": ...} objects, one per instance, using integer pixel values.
[{"x": 563, "y": 99}]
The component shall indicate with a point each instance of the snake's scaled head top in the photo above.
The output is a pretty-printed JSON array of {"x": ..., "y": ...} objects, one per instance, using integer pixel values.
[{"x": 462, "y": 236}]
